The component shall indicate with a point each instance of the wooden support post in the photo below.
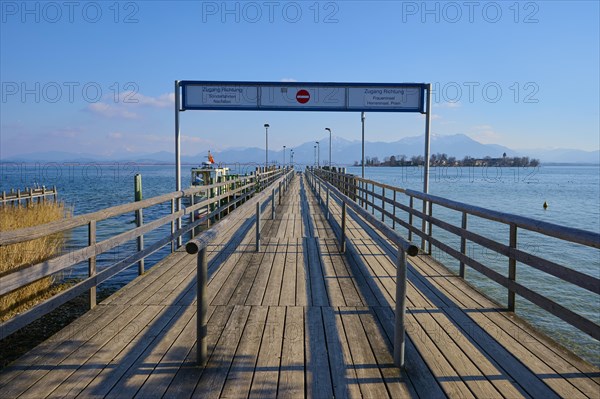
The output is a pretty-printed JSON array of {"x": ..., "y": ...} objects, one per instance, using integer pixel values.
[
  {"x": 258, "y": 226},
  {"x": 463, "y": 245},
  {"x": 55, "y": 193},
  {"x": 92, "y": 264},
  {"x": 383, "y": 204},
  {"x": 273, "y": 204},
  {"x": 424, "y": 225},
  {"x": 192, "y": 215},
  {"x": 372, "y": 198},
  {"x": 394, "y": 211},
  {"x": 512, "y": 265},
  {"x": 429, "y": 228},
  {"x": 319, "y": 197},
  {"x": 172, "y": 225},
  {"x": 399, "y": 329},
  {"x": 410, "y": 218},
  {"x": 279, "y": 193},
  {"x": 343, "y": 235},
  {"x": 139, "y": 218},
  {"x": 201, "y": 308},
  {"x": 327, "y": 205}
]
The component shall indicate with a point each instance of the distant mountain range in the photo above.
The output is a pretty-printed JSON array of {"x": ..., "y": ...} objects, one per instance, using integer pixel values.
[{"x": 344, "y": 152}]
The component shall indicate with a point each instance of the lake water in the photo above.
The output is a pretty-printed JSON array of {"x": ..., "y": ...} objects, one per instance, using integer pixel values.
[{"x": 572, "y": 194}]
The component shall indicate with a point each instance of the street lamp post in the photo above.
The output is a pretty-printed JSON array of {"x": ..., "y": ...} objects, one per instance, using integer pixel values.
[
  {"x": 318, "y": 154},
  {"x": 291, "y": 157},
  {"x": 329, "y": 130},
  {"x": 315, "y": 148},
  {"x": 284, "y": 157},
  {"x": 266, "y": 145}
]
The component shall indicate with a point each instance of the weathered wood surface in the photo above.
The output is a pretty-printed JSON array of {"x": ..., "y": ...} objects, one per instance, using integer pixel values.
[{"x": 298, "y": 319}]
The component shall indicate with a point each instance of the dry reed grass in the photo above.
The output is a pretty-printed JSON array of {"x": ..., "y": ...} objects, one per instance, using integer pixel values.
[{"x": 20, "y": 255}]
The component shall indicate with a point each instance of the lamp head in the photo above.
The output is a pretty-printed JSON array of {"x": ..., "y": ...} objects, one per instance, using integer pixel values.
[{"x": 267, "y": 125}]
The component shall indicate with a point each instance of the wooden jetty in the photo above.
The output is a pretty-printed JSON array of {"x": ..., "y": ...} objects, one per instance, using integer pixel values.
[
  {"x": 29, "y": 195},
  {"x": 298, "y": 318}
]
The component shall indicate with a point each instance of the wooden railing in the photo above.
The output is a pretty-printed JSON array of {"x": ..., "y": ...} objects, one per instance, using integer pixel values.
[
  {"x": 339, "y": 191},
  {"x": 197, "y": 246},
  {"x": 29, "y": 195},
  {"x": 237, "y": 192},
  {"x": 389, "y": 197}
]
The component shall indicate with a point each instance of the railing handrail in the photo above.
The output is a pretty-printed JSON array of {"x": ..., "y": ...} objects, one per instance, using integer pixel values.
[
  {"x": 393, "y": 236},
  {"x": 579, "y": 236},
  {"x": 34, "y": 232}
]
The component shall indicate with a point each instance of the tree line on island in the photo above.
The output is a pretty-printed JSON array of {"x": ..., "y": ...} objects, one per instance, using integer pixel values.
[{"x": 441, "y": 159}]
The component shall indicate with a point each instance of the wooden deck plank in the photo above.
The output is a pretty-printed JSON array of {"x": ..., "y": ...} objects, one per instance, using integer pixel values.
[
  {"x": 45, "y": 357},
  {"x": 343, "y": 374},
  {"x": 259, "y": 285},
  {"x": 287, "y": 295},
  {"x": 312, "y": 258},
  {"x": 215, "y": 373},
  {"x": 417, "y": 371},
  {"x": 291, "y": 375},
  {"x": 266, "y": 373},
  {"x": 188, "y": 375},
  {"x": 368, "y": 374},
  {"x": 89, "y": 370},
  {"x": 303, "y": 291},
  {"x": 239, "y": 377},
  {"x": 397, "y": 385},
  {"x": 39, "y": 353},
  {"x": 275, "y": 281},
  {"x": 345, "y": 279},
  {"x": 330, "y": 277},
  {"x": 318, "y": 374}
]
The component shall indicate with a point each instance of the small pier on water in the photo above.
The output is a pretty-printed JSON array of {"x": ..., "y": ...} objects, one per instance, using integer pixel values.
[{"x": 303, "y": 277}]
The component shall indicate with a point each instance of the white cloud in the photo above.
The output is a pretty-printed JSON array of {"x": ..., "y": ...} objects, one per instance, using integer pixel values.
[
  {"x": 110, "y": 111},
  {"x": 288, "y": 80},
  {"x": 115, "y": 135}
]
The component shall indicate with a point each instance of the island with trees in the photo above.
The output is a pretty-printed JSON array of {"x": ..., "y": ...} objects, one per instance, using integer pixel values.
[{"x": 441, "y": 159}]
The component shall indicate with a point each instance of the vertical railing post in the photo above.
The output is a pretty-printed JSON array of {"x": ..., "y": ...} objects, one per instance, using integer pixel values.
[
  {"x": 399, "y": 330},
  {"x": 319, "y": 191},
  {"x": 55, "y": 193},
  {"x": 172, "y": 224},
  {"x": 192, "y": 215},
  {"x": 383, "y": 204},
  {"x": 463, "y": 245},
  {"x": 92, "y": 263},
  {"x": 424, "y": 225},
  {"x": 273, "y": 204},
  {"x": 258, "y": 226},
  {"x": 201, "y": 308},
  {"x": 429, "y": 227},
  {"x": 373, "y": 199},
  {"x": 512, "y": 265},
  {"x": 410, "y": 218},
  {"x": 139, "y": 218},
  {"x": 394, "y": 212},
  {"x": 327, "y": 205},
  {"x": 343, "y": 235},
  {"x": 279, "y": 193}
]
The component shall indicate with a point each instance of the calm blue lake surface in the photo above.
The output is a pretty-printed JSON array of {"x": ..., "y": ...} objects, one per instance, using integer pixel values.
[{"x": 572, "y": 194}]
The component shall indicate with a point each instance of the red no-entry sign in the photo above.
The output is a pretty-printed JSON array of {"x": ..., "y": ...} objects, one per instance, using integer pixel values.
[{"x": 302, "y": 96}]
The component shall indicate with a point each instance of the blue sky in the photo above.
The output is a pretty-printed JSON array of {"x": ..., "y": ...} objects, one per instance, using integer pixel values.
[{"x": 97, "y": 77}]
